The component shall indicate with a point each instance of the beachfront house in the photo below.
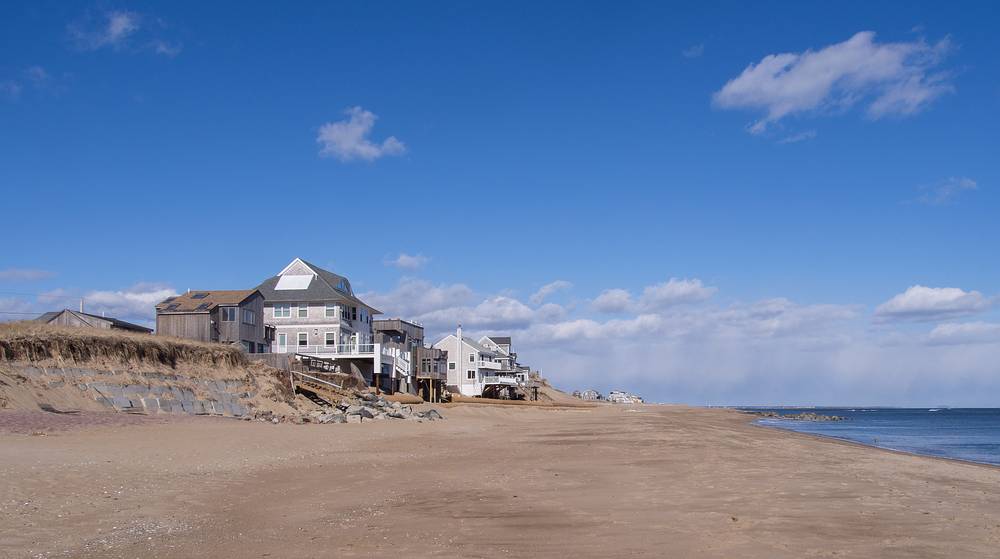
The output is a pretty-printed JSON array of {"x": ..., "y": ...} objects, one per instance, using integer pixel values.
[
  {"x": 408, "y": 366},
  {"x": 233, "y": 317},
  {"x": 315, "y": 314},
  {"x": 509, "y": 367},
  {"x": 80, "y": 319},
  {"x": 474, "y": 369}
]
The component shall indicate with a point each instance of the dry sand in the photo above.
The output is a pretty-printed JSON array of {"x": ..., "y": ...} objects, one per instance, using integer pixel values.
[{"x": 490, "y": 481}]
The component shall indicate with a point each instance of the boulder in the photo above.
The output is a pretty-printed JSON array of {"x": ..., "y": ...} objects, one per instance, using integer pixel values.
[
  {"x": 433, "y": 415},
  {"x": 353, "y": 410},
  {"x": 353, "y": 419},
  {"x": 368, "y": 413}
]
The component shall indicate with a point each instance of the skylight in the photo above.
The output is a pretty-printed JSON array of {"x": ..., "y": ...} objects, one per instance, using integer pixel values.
[
  {"x": 290, "y": 282},
  {"x": 199, "y": 295}
]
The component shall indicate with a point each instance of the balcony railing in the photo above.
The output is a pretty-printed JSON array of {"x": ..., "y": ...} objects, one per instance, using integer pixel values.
[
  {"x": 489, "y": 365},
  {"x": 500, "y": 380},
  {"x": 332, "y": 349}
]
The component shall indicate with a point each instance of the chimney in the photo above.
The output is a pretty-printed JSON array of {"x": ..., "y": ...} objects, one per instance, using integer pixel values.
[{"x": 458, "y": 332}]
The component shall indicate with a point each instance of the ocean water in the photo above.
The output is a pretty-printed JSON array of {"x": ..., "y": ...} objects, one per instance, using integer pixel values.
[{"x": 962, "y": 433}]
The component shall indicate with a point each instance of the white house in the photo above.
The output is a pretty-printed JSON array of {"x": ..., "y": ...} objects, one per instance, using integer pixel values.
[
  {"x": 509, "y": 367},
  {"x": 473, "y": 368}
]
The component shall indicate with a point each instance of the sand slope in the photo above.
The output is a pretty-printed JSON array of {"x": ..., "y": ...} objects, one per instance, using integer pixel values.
[{"x": 491, "y": 481}]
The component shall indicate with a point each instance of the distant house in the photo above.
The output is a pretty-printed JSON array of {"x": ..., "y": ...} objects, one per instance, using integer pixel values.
[
  {"x": 504, "y": 349},
  {"x": 315, "y": 314},
  {"x": 475, "y": 369},
  {"x": 589, "y": 394},
  {"x": 622, "y": 397},
  {"x": 234, "y": 317},
  {"x": 67, "y": 317}
]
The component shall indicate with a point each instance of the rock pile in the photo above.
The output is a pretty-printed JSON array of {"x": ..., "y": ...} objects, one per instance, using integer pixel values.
[
  {"x": 370, "y": 407},
  {"x": 804, "y": 416}
]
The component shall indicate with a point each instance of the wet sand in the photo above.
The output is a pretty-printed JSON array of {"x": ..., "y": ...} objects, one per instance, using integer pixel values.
[{"x": 490, "y": 481}]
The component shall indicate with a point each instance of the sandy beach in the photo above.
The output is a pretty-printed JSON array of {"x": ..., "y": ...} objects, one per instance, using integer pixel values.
[{"x": 490, "y": 481}]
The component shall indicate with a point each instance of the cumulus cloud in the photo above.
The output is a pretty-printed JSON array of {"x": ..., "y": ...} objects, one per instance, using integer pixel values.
[
  {"x": 892, "y": 78},
  {"x": 654, "y": 297},
  {"x": 165, "y": 48},
  {"x": 548, "y": 289},
  {"x": 415, "y": 297},
  {"x": 348, "y": 139},
  {"x": 112, "y": 30},
  {"x": 674, "y": 292},
  {"x": 946, "y": 191},
  {"x": 135, "y": 303},
  {"x": 24, "y": 274},
  {"x": 960, "y": 333},
  {"x": 919, "y": 303},
  {"x": 407, "y": 261}
]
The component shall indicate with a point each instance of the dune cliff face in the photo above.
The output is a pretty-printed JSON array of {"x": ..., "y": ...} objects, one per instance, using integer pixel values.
[{"x": 52, "y": 368}]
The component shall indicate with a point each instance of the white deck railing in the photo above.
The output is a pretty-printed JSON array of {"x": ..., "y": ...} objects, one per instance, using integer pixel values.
[
  {"x": 500, "y": 380},
  {"x": 331, "y": 349}
]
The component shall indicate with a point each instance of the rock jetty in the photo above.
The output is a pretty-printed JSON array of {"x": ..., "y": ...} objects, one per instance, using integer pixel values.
[{"x": 804, "y": 416}]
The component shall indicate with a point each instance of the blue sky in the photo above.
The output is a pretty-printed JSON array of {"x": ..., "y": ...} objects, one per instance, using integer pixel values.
[{"x": 791, "y": 167}]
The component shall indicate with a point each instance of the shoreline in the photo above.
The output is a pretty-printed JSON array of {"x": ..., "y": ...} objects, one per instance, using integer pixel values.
[
  {"x": 489, "y": 481},
  {"x": 834, "y": 439}
]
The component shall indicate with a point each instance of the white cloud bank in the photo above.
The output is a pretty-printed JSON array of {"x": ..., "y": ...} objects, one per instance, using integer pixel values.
[
  {"x": 134, "y": 303},
  {"x": 891, "y": 78},
  {"x": 348, "y": 140},
  {"x": 919, "y": 303},
  {"x": 672, "y": 342}
]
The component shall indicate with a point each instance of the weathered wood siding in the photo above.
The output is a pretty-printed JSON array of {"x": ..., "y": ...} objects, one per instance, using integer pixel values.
[
  {"x": 69, "y": 319},
  {"x": 192, "y": 326}
]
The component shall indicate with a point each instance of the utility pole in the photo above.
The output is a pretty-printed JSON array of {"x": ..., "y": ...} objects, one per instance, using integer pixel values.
[{"x": 81, "y": 304}]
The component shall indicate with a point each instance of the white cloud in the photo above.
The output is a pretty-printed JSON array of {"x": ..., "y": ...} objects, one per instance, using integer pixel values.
[
  {"x": 135, "y": 303},
  {"x": 549, "y": 289},
  {"x": 348, "y": 139},
  {"x": 111, "y": 30},
  {"x": 694, "y": 51},
  {"x": 654, "y": 297},
  {"x": 674, "y": 292},
  {"x": 407, "y": 261},
  {"x": 945, "y": 191},
  {"x": 960, "y": 333},
  {"x": 919, "y": 303},
  {"x": 415, "y": 297},
  {"x": 612, "y": 301},
  {"x": 894, "y": 78},
  {"x": 24, "y": 274}
]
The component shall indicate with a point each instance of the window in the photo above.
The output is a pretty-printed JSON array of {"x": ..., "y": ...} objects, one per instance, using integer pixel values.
[
  {"x": 354, "y": 313},
  {"x": 451, "y": 365},
  {"x": 472, "y": 358},
  {"x": 331, "y": 338},
  {"x": 345, "y": 313},
  {"x": 282, "y": 342},
  {"x": 331, "y": 310},
  {"x": 470, "y": 374},
  {"x": 303, "y": 338},
  {"x": 303, "y": 310},
  {"x": 282, "y": 311},
  {"x": 228, "y": 314},
  {"x": 249, "y": 317}
]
